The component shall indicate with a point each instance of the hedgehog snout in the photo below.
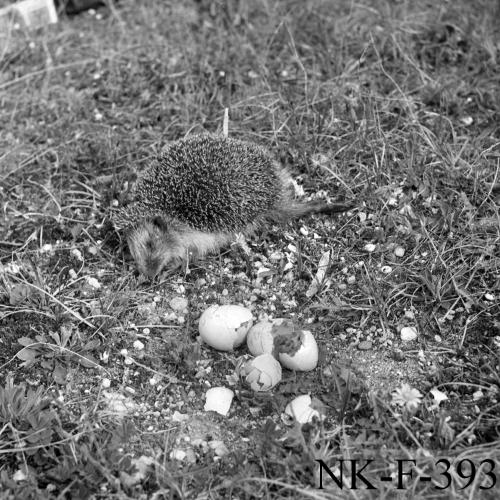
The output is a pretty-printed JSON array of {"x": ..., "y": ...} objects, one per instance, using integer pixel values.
[{"x": 150, "y": 247}]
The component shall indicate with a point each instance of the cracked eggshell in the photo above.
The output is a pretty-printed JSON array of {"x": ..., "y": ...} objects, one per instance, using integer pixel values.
[
  {"x": 260, "y": 338},
  {"x": 303, "y": 410},
  {"x": 225, "y": 327},
  {"x": 262, "y": 373},
  {"x": 303, "y": 356}
]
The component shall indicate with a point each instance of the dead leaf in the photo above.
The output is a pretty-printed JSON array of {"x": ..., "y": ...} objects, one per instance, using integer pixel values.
[
  {"x": 19, "y": 293},
  {"x": 88, "y": 361},
  {"x": 60, "y": 374},
  {"x": 324, "y": 261},
  {"x": 27, "y": 354}
]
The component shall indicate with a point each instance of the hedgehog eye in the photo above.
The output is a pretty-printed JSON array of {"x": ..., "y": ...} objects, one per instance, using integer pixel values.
[{"x": 160, "y": 223}]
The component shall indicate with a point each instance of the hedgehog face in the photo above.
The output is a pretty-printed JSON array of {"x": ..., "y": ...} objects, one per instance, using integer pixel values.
[{"x": 152, "y": 246}]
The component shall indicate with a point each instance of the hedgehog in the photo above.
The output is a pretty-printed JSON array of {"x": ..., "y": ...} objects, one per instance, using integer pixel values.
[{"x": 200, "y": 193}]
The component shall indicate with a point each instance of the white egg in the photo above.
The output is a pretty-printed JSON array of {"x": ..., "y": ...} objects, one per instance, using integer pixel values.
[
  {"x": 300, "y": 355},
  {"x": 225, "y": 327},
  {"x": 302, "y": 409},
  {"x": 260, "y": 338},
  {"x": 262, "y": 373}
]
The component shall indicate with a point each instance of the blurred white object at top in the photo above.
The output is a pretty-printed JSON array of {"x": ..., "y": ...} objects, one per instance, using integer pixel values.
[{"x": 34, "y": 13}]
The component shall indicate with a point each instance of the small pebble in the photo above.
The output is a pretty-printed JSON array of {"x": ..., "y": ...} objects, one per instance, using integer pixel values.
[
  {"x": 138, "y": 345},
  {"x": 77, "y": 254},
  {"x": 489, "y": 296},
  {"x": 276, "y": 256},
  {"x": 399, "y": 251},
  {"x": 408, "y": 333},
  {"x": 351, "y": 280},
  {"x": 398, "y": 355},
  {"x": 106, "y": 383},
  {"x": 93, "y": 282},
  {"x": 386, "y": 269},
  {"x": 178, "y": 303},
  {"x": 365, "y": 345},
  {"x": 178, "y": 455},
  {"x": 476, "y": 396},
  {"x": 370, "y": 247}
]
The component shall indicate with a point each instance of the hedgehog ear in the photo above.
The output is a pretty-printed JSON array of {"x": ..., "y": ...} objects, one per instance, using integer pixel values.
[{"x": 160, "y": 223}]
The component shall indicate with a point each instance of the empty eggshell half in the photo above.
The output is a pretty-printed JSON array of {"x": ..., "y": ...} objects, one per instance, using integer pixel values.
[
  {"x": 262, "y": 373},
  {"x": 301, "y": 355},
  {"x": 225, "y": 327}
]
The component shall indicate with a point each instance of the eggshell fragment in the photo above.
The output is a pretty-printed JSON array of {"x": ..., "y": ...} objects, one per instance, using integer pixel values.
[
  {"x": 225, "y": 327},
  {"x": 262, "y": 373},
  {"x": 302, "y": 409},
  {"x": 219, "y": 399},
  {"x": 302, "y": 354}
]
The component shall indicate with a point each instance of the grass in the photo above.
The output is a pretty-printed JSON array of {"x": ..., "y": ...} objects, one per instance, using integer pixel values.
[{"x": 392, "y": 104}]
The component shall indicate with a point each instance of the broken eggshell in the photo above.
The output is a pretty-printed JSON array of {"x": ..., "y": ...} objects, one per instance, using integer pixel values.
[
  {"x": 225, "y": 327},
  {"x": 219, "y": 399},
  {"x": 260, "y": 338},
  {"x": 301, "y": 353},
  {"x": 262, "y": 373},
  {"x": 303, "y": 409}
]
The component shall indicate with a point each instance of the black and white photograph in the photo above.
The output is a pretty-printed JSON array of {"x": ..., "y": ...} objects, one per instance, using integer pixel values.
[{"x": 249, "y": 249}]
